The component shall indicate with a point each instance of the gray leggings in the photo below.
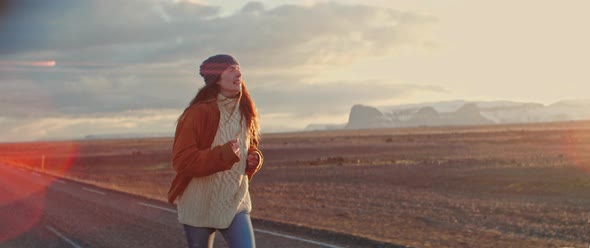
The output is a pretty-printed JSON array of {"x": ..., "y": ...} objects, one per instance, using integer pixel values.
[{"x": 239, "y": 234}]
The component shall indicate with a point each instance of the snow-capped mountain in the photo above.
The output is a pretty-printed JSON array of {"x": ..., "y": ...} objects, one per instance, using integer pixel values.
[{"x": 462, "y": 112}]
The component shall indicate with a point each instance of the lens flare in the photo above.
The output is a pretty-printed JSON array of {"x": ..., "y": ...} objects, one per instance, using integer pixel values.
[
  {"x": 43, "y": 63},
  {"x": 20, "y": 203},
  {"x": 22, "y": 198},
  {"x": 22, "y": 193},
  {"x": 576, "y": 148}
]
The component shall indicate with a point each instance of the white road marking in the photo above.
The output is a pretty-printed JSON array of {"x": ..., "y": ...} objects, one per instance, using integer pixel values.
[
  {"x": 36, "y": 174},
  {"x": 94, "y": 191},
  {"x": 297, "y": 238},
  {"x": 157, "y": 207},
  {"x": 63, "y": 237}
]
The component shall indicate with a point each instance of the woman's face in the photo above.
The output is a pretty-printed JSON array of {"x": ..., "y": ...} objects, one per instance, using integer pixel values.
[{"x": 230, "y": 81}]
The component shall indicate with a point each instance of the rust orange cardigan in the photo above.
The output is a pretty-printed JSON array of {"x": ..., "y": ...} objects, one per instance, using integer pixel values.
[{"x": 192, "y": 154}]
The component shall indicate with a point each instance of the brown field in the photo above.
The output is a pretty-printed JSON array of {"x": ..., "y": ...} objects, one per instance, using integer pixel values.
[{"x": 489, "y": 186}]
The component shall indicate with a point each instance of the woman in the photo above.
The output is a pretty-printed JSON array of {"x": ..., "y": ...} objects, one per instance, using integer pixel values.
[{"x": 215, "y": 155}]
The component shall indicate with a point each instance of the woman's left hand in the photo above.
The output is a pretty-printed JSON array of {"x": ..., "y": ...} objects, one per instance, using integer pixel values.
[
  {"x": 253, "y": 160},
  {"x": 252, "y": 163}
]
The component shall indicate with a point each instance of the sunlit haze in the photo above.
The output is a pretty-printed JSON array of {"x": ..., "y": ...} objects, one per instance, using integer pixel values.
[{"x": 70, "y": 69}]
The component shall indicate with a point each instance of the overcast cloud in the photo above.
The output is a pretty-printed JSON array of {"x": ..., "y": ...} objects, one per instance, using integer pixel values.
[{"x": 113, "y": 57}]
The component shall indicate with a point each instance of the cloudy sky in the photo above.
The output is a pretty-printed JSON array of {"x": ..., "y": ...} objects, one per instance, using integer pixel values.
[{"x": 71, "y": 68}]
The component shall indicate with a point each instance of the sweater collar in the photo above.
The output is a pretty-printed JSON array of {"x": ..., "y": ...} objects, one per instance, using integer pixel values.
[{"x": 227, "y": 103}]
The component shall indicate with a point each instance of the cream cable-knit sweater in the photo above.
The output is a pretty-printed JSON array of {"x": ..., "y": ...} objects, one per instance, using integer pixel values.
[{"x": 214, "y": 200}]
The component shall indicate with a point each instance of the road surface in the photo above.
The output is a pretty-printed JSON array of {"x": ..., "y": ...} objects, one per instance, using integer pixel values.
[{"x": 38, "y": 210}]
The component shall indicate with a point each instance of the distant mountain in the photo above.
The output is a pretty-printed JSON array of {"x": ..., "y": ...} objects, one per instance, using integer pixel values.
[
  {"x": 460, "y": 112},
  {"x": 366, "y": 117}
]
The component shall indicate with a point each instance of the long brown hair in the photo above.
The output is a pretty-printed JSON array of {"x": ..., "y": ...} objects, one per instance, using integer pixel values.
[{"x": 248, "y": 110}]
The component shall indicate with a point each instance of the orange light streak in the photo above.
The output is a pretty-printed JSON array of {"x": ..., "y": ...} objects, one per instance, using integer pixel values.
[{"x": 44, "y": 63}]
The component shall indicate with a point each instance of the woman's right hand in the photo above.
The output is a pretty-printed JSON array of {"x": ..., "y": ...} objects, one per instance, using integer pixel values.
[{"x": 235, "y": 146}]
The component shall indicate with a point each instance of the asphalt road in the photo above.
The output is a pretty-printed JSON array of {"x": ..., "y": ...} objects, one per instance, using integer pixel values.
[{"x": 38, "y": 210}]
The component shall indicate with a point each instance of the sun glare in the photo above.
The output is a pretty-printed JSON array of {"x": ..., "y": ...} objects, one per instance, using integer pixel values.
[
  {"x": 28, "y": 169},
  {"x": 575, "y": 149},
  {"x": 20, "y": 191}
]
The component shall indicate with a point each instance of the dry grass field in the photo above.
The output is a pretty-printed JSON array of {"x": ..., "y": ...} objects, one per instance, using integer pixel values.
[{"x": 486, "y": 186}]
